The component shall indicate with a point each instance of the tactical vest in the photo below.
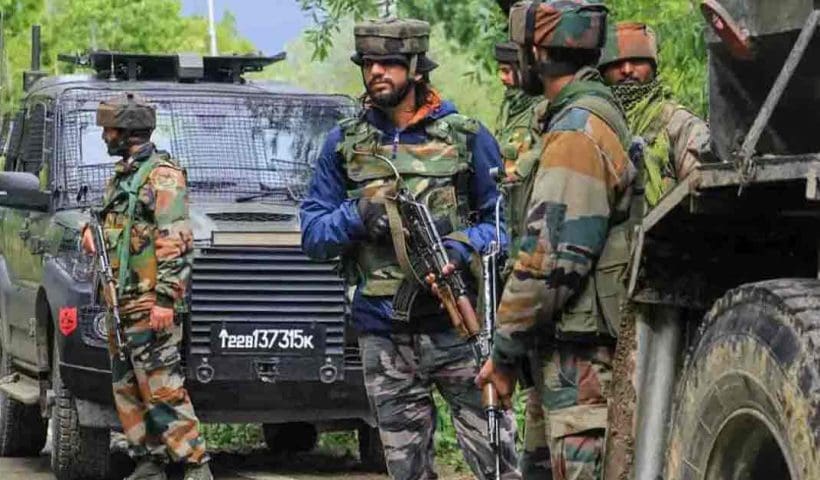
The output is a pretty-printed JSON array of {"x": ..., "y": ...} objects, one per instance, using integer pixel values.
[
  {"x": 122, "y": 230},
  {"x": 515, "y": 134},
  {"x": 596, "y": 310},
  {"x": 438, "y": 172}
]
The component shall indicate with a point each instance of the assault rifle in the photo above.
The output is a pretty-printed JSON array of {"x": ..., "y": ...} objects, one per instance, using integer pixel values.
[
  {"x": 489, "y": 275},
  {"x": 106, "y": 277},
  {"x": 420, "y": 250}
]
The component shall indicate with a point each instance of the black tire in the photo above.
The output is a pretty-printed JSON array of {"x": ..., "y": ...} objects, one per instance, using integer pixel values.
[
  {"x": 749, "y": 399},
  {"x": 290, "y": 437},
  {"x": 371, "y": 451},
  {"x": 22, "y": 427},
  {"x": 77, "y": 453}
]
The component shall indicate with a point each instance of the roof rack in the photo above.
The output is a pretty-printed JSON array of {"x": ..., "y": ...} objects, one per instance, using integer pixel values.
[{"x": 176, "y": 67}]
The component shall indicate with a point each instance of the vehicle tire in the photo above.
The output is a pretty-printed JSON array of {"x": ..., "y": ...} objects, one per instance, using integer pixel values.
[
  {"x": 290, "y": 437},
  {"x": 371, "y": 451},
  {"x": 748, "y": 403},
  {"x": 77, "y": 453},
  {"x": 22, "y": 427}
]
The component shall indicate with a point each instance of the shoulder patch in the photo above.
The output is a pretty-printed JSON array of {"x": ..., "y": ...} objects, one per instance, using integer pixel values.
[
  {"x": 166, "y": 177},
  {"x": 573, "y": 119}
]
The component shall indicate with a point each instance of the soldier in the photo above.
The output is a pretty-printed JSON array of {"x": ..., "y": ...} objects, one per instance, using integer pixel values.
[
  {"x": 674, "y": 136},
  {"x": 578, "y": 201},
  {"x": 518, "y": 134},
  {"x": 514, "y": 130},
  {"x": 145, "y": 207},
  {"x": 445, "y": 158}
]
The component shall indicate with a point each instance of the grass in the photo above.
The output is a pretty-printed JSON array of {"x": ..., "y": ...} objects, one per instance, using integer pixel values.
[{"x": 248, "y": 437}]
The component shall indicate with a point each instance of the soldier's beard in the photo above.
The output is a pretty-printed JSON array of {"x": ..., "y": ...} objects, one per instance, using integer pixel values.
[
  {"x": 389, "y": 99},
  {"x": 118, "y": 147}
]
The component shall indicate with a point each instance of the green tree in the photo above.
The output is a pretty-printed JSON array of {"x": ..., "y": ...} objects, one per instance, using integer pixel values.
[
  {"x": 72, "y": 26},
  {"x": 477, "y": 97},
  {"x": 476, "y": 25}
]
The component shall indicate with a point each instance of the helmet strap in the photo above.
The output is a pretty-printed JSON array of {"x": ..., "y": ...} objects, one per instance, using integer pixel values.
[
  {"x": 411, "y": 71},
  {"x": 557, "y": 69},
  {"x": 530, "y": 77}
]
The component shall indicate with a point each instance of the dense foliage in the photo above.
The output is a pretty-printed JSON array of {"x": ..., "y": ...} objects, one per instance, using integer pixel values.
[
  {"x": 71, "y": 26},
  {"x": 473, "y": 26}
]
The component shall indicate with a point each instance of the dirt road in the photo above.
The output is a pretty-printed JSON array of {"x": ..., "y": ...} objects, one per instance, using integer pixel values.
[{"x": 254, "y": 466}]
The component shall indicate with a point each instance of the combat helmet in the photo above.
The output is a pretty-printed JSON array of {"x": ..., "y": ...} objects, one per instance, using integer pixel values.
[
  {"x": 555, "y": 24},
  {"x": 127, "y": 111},
  {"x": 405, "y": 40},
  {"x": 506, "y": 52},
  {"x": 629, "y": 40}
]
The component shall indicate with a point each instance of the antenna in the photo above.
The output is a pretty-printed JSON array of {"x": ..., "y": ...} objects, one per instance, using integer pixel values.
[
  {"x": 212, "y": 28},
  {"x": 94, "y": 35},
  {"x": 388, "y": 8},
  {"x": 112, "y": 77}
]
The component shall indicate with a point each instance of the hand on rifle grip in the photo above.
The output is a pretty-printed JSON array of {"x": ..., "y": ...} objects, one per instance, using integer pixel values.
[
  {"x": 503, "y": 380},
  {"x": 87, "y": 242}
]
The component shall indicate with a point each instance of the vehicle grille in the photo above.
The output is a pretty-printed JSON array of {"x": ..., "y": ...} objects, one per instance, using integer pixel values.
[{"x": 264, "y": 285}]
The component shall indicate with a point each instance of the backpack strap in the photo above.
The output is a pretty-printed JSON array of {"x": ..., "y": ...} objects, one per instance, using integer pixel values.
[{"x": 607, "y": 111}]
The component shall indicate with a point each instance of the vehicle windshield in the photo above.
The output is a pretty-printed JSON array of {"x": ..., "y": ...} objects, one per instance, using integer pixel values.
[{"x": 231, "y": 146}]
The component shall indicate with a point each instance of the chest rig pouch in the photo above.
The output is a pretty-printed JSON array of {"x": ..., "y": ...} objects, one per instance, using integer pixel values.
[
  {"x": 595, "y": 312},
  {"x": 437, "y": 172}
]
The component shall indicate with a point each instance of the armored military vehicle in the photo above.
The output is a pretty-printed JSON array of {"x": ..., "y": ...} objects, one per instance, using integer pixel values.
[
  {"x": 724, "y": 277},
  {"x": 265, "y": 341}
]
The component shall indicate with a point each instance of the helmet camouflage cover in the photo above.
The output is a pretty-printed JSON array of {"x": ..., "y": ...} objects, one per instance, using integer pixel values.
[
  {"x": 127, "y": 111},
  {"x": 577, "y": 24},
  {"x": 629, "y": 40},
  {"x": 402, "y": 39}
]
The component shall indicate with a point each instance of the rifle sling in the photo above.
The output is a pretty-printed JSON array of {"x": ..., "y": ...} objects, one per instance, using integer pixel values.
[{"x": 397, "y": 234}]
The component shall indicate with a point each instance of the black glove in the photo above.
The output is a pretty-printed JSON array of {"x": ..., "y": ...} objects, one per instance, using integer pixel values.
[
  {"x": 374, "y": 217},
  {"x": 454, "y": 256}
]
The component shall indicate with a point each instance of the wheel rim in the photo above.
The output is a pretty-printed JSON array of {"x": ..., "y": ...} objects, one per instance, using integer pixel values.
[{"x": 749, "y": 447}]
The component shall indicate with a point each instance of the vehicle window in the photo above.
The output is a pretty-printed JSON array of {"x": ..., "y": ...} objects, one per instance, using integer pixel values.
[{"x": 230, "y": 146}]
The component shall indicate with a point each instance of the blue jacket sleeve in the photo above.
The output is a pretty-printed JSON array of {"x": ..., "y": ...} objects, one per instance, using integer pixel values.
[
  {"x": 484, "y": 192},
  {"x": 330, "y": 221}
]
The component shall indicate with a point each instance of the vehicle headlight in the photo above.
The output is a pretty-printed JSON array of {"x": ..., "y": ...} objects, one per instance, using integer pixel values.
[
  {"x": 94, "y": 325},
  {"x": 100, "y": 325}
]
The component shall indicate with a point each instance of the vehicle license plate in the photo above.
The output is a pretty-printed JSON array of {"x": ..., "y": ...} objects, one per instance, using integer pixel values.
[{"x": 249, "y": 338}]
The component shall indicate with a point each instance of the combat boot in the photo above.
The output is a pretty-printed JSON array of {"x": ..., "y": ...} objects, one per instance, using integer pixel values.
[
  {"x": 199, "y": 471},
  {"x": 148, "y": 469}
]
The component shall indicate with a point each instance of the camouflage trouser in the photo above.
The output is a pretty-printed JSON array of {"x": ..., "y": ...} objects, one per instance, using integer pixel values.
[
  {"x": 576, "y": 381},
  {"x": 400, "y": 372},
  {"x": 535, "y": 459},
  {"x": 154, "y": 408}
]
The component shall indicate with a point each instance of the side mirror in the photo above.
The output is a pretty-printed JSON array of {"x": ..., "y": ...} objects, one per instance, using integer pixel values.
[{"x": 22, "y": 190}]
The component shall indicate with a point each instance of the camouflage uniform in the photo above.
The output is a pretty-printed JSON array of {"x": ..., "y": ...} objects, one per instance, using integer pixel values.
[
  {"x": 674, "y": 136},
  {"x": 574, "y": 244},
  {"x": 148, "y": 193},
  {"x": 518, "y": 132},
  {"x": 444, "y": 158}
]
